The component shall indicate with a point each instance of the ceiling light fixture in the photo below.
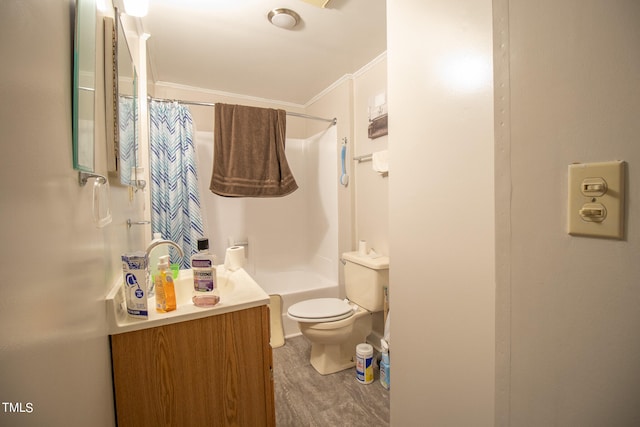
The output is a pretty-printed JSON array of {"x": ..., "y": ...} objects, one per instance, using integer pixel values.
[
  {"x": 319, "y": 3},
  {"x": 283, "y": 18},
  {"x": 137, "y": 8}
]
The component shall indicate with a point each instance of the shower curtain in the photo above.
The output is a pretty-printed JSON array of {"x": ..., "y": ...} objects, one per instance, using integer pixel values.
[
  {"x": 175, "y": 199},
  {"x": 127, "y": 117}
]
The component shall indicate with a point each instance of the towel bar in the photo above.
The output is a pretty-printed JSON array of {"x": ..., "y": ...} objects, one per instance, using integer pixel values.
[
  {"x": 130, "y": 223},
  {"x": 363, "y": 158}
]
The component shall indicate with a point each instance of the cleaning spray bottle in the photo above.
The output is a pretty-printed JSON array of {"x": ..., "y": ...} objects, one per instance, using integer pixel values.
[
  {"x": 165, "y": 289},
  {"x": 385, "y": 369}
]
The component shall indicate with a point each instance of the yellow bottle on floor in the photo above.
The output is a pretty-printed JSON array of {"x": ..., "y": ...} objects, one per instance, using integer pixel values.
[{"x": 165, "y": 289}]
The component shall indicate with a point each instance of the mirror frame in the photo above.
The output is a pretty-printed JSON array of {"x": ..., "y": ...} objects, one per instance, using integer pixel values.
[
  {"x": 84, "y": 86},
  {"x": 111, "y": 91},
  {"x": 116, "y": 46}
]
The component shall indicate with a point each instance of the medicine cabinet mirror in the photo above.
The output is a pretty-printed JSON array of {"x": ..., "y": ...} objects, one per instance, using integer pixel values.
[
  {"x": 84, "y": 84},
  {"x": 122, "y": 102}
]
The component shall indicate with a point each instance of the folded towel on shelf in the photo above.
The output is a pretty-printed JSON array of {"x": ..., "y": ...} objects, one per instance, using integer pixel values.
[
  {"x": 378, "y": 127},
  {"x": 249, "y": 158},
  {"x": 380, "y": 161}
]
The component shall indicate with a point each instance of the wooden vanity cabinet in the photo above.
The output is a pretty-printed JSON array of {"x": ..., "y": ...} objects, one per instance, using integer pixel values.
[{"x": 214, "y": 371}]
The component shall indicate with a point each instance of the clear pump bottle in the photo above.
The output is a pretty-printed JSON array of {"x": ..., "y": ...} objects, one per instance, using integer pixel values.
[
  {"x": 165, "y": 289},
  {"x": 154, "y": 260},
  {"x": 205, "y": 291}
]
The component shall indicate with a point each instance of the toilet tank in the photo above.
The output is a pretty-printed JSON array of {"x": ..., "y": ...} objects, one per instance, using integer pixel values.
[{"x": 365, "y": 279}]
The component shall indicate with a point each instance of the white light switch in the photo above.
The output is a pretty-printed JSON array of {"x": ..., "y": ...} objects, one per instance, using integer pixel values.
[{"x": 596, "y": 199}]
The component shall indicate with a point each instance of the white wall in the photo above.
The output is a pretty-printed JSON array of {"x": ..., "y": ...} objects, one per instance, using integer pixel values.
[
  {"x": 441, "y": 212},
  {"x": 58, "y": 265},
  {"x": 371, "y": 188},
  {"x": 569, "y": 307},
  {"x": 363, "y": 212}
]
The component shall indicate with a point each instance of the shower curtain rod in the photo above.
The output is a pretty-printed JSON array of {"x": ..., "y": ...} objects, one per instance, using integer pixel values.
[{"x": 333, "y": 121}]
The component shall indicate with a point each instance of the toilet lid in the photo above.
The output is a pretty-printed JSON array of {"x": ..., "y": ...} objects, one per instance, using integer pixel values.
[{"x": 321, "y": 310}]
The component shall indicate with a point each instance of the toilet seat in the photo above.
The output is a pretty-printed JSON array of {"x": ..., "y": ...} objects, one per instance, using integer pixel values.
[{"x": 320, "y": 310}]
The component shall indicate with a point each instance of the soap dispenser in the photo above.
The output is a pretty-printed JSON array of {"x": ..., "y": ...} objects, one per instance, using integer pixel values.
[
  {"x": 154, "y": 258},
  {"x": 165, "y": 289}
]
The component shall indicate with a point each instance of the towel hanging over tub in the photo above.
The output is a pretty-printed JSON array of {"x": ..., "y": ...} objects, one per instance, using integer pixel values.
[{"x": 248, "y": 155}]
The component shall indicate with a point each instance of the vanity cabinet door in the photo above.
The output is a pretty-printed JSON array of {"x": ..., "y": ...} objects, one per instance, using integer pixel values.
[{"x": 215, "y": 371}]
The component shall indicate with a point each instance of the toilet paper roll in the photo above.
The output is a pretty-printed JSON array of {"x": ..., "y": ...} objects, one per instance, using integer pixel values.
[
  {"x": 234, "y": 258},
  {"x": 362, "y": 248}
]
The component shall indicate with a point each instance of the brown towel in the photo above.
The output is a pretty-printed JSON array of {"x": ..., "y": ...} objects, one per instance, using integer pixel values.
[{"x": 248, "y": 155}]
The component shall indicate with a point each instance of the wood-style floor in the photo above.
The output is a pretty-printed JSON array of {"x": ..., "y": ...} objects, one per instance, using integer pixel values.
[{"x": 304, "y": 398}]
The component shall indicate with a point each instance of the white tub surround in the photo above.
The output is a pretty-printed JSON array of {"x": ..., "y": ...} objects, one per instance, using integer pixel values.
[
  {"x": 238, "y": 291},
  {"x": 299, "y": 231}
]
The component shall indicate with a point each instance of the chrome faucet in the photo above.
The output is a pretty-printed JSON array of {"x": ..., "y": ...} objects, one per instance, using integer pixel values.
[{"x": 152, "y": 245}]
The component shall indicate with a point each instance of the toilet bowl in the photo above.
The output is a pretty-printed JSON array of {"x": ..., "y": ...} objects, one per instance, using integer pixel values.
[{"x": 334, "y": 327}]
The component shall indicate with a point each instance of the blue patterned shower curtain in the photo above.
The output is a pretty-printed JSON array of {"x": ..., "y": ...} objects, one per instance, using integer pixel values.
[
  {"x": 127, "y": 117},
  {"x": 175, "y": 200}
]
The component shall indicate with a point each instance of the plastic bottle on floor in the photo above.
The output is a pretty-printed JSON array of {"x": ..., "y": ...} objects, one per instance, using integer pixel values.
[
  {"x": 385, "y": 369},
  {"x": 364, "y": 363}
]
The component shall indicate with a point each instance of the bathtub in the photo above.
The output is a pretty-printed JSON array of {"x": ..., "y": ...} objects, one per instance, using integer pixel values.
[{"x": 295, "y": 286}]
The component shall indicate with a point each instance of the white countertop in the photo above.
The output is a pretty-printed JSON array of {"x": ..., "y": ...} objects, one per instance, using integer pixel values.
[{"x": 238, "y": 291}]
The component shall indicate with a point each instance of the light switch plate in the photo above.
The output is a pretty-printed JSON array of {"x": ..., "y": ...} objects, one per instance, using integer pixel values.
[{"x": 596, "y": 199}]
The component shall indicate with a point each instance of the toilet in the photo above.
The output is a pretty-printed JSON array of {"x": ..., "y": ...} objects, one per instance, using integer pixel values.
[{"x": 335, "y": 326}]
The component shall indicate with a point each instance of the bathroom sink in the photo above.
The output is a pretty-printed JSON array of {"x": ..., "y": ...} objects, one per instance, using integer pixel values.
[
  {"x": 184, "y": 285},
  {"x": 237, "y": 289}
]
